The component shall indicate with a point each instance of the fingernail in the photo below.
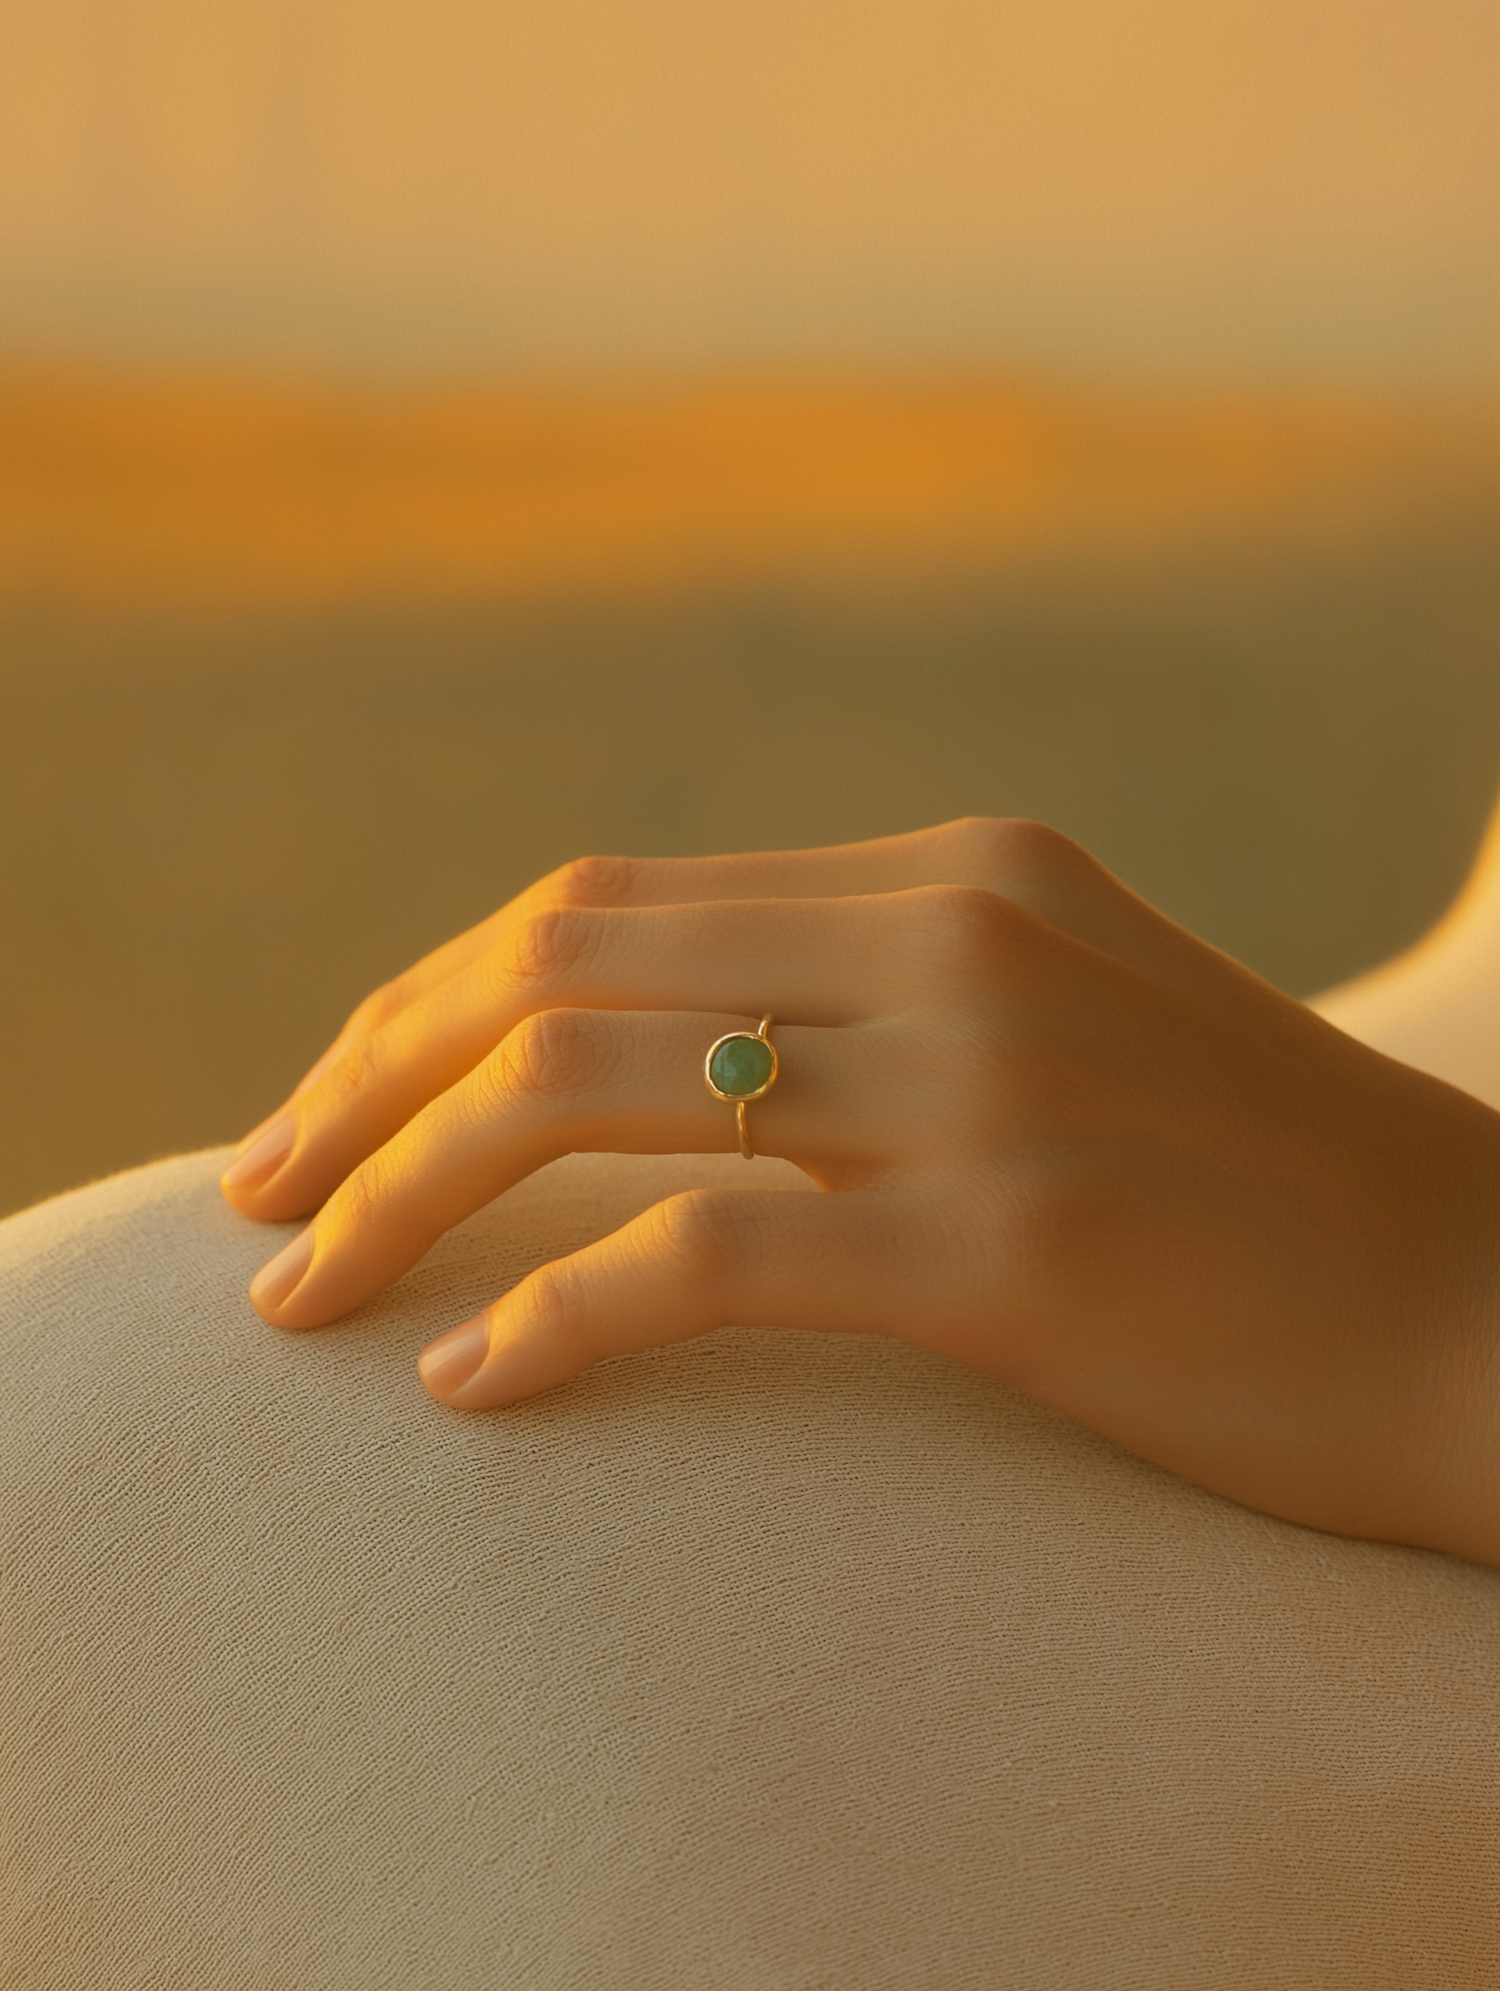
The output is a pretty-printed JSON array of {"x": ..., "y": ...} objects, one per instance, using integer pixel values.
[
  {"x": 262, "y": 1153},
  {"x": 280, "y": 1276},
  {"x": 447, "y": 1364}
]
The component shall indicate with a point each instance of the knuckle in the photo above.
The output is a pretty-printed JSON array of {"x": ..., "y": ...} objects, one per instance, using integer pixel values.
[
  {"x": 702, "y": 1234},
  {"x": 552, "y": 943},
  {"x": 965, "y": 925},
  {"x": 358, "y": 1075},
  {"x": 594, "y": 881},
  {"x": 361, "y": 1197},
  {"x": 554, "y": 1306},
  {"x": 1014, "y": 849},
  {"x": 553, "y": 1054},
  {"x": 381, "y": 1005},
  {"x": 546, "y": 1298}
]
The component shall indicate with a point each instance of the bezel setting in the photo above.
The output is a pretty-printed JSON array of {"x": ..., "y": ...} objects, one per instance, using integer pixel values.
[{"x": 736, "y": 1037}]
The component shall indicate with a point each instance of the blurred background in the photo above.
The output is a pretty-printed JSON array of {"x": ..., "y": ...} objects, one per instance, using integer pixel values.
[{"x": 439, "y": 437}]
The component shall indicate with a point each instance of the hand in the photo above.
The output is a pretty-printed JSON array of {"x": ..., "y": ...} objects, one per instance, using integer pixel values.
[{"x": 1068, "y": 1143}]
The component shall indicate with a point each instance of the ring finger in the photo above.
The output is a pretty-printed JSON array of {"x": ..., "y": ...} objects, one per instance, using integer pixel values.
[{"x": 574, "y": 1079}]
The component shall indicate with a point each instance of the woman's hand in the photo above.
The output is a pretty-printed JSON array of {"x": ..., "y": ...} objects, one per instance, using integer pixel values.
[{"x": 1069, "y": 1144}]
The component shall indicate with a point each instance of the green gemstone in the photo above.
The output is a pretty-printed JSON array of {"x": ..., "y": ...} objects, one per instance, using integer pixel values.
[{"x": 741, "y": 1065}]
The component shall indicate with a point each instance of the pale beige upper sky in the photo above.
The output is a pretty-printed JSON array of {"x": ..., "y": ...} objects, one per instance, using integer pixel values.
[{"x": 1222, "y": 187}]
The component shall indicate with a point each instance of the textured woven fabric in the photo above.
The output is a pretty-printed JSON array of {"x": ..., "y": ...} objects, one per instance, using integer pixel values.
[{"x": 766, "y": 1662}]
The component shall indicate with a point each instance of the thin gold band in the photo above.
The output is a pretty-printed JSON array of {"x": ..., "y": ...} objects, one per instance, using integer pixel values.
[{"x": 740, "y": 1104}]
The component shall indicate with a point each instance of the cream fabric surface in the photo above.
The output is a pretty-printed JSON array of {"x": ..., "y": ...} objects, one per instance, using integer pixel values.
[{"x": 766, "y": 1662}]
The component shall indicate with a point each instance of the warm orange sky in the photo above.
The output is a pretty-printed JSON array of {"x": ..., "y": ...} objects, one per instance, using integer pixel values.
[
  {"x": 137, "y": 492},
  {"x": 1224, "y": 187}
]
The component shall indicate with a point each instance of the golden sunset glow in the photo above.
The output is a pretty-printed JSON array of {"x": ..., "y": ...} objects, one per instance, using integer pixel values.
[{"x": 138, "y": 491}]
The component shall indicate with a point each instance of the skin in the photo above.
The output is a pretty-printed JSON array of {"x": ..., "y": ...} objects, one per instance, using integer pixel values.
[{"x": 1048, "y": 1133}]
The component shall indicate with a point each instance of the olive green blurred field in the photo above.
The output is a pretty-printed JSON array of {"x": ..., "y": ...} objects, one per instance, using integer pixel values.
[{"x": 216, "y": 834}]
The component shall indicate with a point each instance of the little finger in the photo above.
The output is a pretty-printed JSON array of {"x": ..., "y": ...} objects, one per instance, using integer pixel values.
[{"x": 851, "y": 1264}]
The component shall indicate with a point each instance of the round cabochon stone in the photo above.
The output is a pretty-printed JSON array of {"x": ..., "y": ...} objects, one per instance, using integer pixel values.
[{"x": 741, "y": 1065}]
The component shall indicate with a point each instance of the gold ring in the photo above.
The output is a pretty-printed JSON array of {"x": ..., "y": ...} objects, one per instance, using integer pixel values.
[{"x": 739, "y": 1068}]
